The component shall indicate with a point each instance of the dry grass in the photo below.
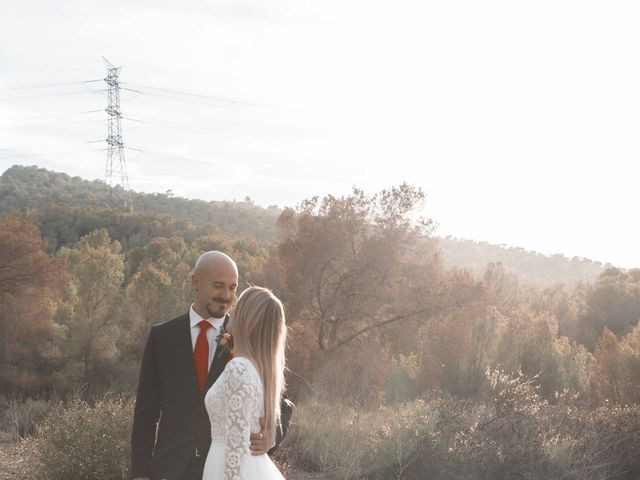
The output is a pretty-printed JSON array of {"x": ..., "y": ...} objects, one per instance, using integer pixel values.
[{"x": 11, "y": 462}]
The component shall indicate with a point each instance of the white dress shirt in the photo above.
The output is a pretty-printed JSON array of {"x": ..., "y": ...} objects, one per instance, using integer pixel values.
[{"x": 212, "y": 333}]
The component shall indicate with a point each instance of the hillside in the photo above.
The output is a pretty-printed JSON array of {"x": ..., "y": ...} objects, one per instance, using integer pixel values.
[
  {"x": 39, "y": 189},
  {"x": 530, "y": 267},
  {"x": 47, "y": 192}
]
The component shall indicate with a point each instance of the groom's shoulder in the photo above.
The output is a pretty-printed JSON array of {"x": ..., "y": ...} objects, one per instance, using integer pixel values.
[{"x": 172, "y": 324}]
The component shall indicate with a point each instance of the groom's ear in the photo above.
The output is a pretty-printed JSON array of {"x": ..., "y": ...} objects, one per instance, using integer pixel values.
[{"x": 194, "y": 280}]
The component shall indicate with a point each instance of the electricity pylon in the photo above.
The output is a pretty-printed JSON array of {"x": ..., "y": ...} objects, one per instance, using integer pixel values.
[{"x": 116, "y": 169}]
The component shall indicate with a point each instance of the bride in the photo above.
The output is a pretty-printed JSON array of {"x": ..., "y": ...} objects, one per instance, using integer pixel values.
[{"x": 250, "y": 387}]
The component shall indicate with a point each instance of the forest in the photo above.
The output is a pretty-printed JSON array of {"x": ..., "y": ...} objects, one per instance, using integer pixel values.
[{"x": 401, "y": 365}]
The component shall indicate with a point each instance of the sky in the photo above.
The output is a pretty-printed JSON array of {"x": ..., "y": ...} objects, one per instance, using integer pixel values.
[{"x": 519, "y": 120}]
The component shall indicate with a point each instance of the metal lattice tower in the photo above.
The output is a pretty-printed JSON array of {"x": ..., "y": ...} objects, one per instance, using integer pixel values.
[{"x": 116, "y": 169}]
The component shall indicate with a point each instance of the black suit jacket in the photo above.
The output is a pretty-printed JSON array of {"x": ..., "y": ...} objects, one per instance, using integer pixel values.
[{"x": 170, "y": 419}]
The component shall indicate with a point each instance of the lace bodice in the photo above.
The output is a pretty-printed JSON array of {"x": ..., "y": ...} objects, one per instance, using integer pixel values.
[{"x": 235, "y": 404}]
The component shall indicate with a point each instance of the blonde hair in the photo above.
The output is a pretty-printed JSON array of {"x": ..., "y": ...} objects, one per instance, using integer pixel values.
[{"x": 259, "y": 330}]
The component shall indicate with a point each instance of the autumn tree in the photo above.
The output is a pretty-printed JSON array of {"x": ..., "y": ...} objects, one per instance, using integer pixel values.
[
  {"x": 608, "y": 372},
  {"x": 30, "y": 288},
  {"x": 503, "y": 287},
  {"x": 630, "y": 348},
  {"x": 453, "y": 347},
  {"x": 358, "y": 266}
]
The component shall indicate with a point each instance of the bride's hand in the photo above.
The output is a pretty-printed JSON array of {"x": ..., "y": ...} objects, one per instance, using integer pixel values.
[{"x": 262, "y": 442}]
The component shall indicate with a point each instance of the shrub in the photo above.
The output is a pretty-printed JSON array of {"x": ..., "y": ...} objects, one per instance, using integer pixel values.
[
  {"x": 400, "y": 385},
  {"x": 404, "y": 437},
  {"x": 513, "y": 433},
  {"x": 607, "y": 443},
  {"x": 518, "y": 434},
  {"x": 22, "y": 416},
  {"x": 80, "y": 441},
  {"x": 350, "y": 443},
  {"x": 331, "y": 438}
]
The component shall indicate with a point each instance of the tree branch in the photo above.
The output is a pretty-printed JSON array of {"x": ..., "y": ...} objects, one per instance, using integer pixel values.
[{"x": 404, "y": 316}]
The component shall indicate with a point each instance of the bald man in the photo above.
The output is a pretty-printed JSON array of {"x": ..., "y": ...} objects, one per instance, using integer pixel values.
[{"x": 171, "y": 430}]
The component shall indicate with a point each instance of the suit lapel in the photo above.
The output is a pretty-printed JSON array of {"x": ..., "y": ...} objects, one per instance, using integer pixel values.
[
  {"x": 185, "y": 352},
  {"x": 219, "y": 360}
]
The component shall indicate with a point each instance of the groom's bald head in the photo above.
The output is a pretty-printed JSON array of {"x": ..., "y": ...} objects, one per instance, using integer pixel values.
[
  {"x": 212, "y": 260},
  {"x": 215, "y": 280}
]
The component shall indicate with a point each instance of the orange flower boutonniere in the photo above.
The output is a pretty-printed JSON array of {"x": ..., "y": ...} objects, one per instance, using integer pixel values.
[{"x": 225, "y": 344}]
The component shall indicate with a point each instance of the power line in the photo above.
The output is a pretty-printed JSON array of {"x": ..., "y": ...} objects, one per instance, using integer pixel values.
[
  {"x": 260, "y": 169},
  {"x": 147, "y": 150},
  {"x": 56, "y": 114},
  {"x": 188, "y": 128},
  {"x": 48, "y": 95},
  {"x": 53, "y": 120},
  {"x": 207, "y": 131},
  {"x": 49, "y": 85},
  {"x": 83, "y": 83},
  {"x": 194, "y": 97},
  {"x": 137, "y": 88},
  {"x": 47, "y": 150}
]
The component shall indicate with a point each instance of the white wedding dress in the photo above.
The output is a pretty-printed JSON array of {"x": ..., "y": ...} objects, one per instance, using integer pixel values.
[{"x": 235, "y": 405}]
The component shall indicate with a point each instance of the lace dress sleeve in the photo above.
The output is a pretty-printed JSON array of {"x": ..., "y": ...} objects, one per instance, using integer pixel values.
[{"x": 240, "y": 395}]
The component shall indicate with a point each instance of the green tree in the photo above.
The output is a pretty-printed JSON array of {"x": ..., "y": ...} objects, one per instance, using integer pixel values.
[
  {"x": 249, "y": 254},
  {"x": 90, "y": 316},
  {"x": 165, "y": 253},
  {"x": 152, "y": 296},
  {"x": 528, "y": 344},
  {"x": 613, "y": 302}
]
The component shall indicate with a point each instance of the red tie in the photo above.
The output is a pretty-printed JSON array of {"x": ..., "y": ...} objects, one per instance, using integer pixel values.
[{"x": 201, "y": 354}]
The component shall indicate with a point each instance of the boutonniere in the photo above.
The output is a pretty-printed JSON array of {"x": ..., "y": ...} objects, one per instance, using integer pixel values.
[{"x": 225, "y": 344}]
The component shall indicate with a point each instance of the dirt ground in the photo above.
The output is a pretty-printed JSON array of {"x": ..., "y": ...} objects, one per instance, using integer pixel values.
[{"x": 12, "y": 466}]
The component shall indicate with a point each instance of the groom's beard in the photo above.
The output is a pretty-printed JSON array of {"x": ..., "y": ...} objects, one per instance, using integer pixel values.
[{"x": 217, "y": 307}]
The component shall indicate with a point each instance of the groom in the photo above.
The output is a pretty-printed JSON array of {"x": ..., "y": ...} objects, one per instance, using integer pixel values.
[{"x": 182, "y": 359}]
